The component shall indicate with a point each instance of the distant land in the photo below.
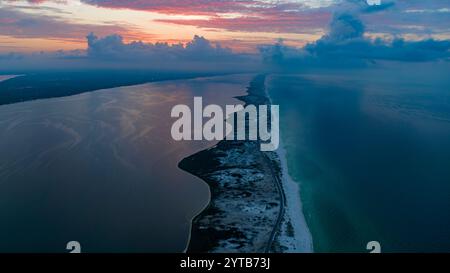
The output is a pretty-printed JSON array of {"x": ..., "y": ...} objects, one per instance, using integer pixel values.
[{"x": 52, "y": 84}]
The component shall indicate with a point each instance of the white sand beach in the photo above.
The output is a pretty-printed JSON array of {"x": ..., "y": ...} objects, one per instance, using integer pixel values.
[
  {"x": 302, "y": 242},
  {"x": 7, "y": 77}
]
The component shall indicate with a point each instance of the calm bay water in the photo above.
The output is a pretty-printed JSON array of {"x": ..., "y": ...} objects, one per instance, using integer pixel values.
[
  {"x": 371, "y": 150},
  {"x": 101, "y": 168}
]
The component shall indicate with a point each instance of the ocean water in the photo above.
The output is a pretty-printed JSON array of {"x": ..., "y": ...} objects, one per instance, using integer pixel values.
[
  {"x": 371, "y": 151},
  {"x": 101, "y": 168}
]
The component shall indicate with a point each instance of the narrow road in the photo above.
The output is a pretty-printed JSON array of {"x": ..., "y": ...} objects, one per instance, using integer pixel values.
[{"x": 277, "y": 225}]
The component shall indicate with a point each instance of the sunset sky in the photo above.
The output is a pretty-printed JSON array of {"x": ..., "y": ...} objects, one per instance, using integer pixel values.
[{"x": 48, "y": 25}]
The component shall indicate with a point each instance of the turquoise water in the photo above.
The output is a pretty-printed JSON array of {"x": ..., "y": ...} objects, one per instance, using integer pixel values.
[{"x": 371, "y": 151}]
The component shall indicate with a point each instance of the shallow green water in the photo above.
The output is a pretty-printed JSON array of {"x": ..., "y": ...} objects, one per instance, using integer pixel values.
[{"x": 371, "y": 150}]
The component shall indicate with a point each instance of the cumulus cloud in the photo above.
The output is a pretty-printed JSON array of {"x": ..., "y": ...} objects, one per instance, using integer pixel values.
[
  {"x": 112, "y": 51},
  {"x": 344, "y": 27},
  {"x": 346, "y": 44},
  {"x": 113, "y": 47}
]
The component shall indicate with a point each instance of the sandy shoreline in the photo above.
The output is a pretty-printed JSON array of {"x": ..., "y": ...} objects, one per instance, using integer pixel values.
[
  {"x": 255, "y": 206},
  {"x": 245, "y": 201},
  {"x": 302, "y": 241},
  {"x": 8, "y": 77}
]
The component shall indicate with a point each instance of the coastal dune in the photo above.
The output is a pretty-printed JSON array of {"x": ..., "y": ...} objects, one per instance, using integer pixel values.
[{"x": 255, "y": 206}]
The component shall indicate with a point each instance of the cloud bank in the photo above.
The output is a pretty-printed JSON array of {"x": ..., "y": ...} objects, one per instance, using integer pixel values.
[
  {"x": 346, "y": 44},
  {"x": 111, "y": 51},
  {"x": 112, "y": 47},
  {"x": 411, "y": 19}
]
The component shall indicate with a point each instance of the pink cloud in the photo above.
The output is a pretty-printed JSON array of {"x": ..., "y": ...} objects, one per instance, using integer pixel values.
[
  {"x": 23, "y": 25},
  {"x": 255, "y": 15},
  {"x": 268, "y": 21},
  {"x": 36, "y": 2},
  {"x": 178, "y": 6}
]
